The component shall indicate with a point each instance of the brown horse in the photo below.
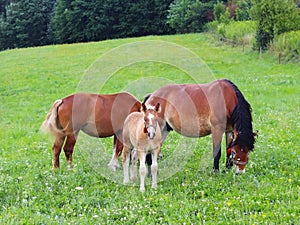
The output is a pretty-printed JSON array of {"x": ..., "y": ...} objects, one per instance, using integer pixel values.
[
  {"x": 142, "y": 133},
  {"x": 197, "y": 110},
  {"x": 96, "y": 115}
]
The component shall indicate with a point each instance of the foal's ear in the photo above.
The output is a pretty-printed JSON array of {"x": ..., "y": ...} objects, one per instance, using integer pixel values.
[
  {"x": 157, "y": 107},
  {"x": 144, "y": 108}
]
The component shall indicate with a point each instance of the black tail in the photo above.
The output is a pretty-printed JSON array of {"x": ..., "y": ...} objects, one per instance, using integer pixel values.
[{"x": 241, "y": 119}]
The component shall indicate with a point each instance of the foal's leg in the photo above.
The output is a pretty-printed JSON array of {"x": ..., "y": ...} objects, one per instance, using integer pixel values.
[
  {"x": 143, "y": 170},
  {"x": 69, "y": 148},
  {"x": 165, "y": 133},
  {"x": 117, "y": 151},
  {"x": 126, "y": 159},
  {"x": 56, "y": 148},
  {"x": 154, "y": 167}
]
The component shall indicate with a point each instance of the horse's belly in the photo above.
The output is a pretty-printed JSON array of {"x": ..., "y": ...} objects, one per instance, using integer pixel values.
[
  {"x": 192, "y": 129},
  {"x": 94, "y": 131}
]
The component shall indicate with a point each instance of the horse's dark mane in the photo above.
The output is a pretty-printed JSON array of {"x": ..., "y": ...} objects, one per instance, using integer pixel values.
[
  {"x": 241, "y": 119},
  {"x": 146, "y": 98}
]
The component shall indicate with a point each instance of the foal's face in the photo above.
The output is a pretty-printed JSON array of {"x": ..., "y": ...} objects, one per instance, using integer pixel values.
[
  {"x": 150, "y": 119},
  {"x": 239, "y": 158}
]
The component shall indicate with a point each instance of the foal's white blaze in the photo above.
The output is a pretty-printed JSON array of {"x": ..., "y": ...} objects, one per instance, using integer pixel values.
[
  {"x": 151, "y": 130},
  {"x": 150, "y": 117}
]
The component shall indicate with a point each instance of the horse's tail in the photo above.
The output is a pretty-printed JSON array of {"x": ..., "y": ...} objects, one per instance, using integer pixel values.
[
  {"x": 50, "y": 125},
  {"x": 241, "y": 118}
]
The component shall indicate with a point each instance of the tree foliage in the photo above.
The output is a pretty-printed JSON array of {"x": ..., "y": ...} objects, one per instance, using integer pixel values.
[
  {"x": 274, "y": 18},
  {"x": 243, "y": 10},
  {"x": 39, "y": 22},
  {"x": 190, "y": 15},
  {"x": 219, "y": 10},
  {"x": 25, "y": 23}
]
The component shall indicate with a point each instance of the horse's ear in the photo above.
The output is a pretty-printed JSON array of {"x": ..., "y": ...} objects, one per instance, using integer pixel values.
[
  {"x": 144, "y": 108},
  {"x": 157, "y": 107}
]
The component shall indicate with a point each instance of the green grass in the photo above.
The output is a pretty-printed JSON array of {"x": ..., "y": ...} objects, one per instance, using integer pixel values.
[{"x": 30, "y": 193}]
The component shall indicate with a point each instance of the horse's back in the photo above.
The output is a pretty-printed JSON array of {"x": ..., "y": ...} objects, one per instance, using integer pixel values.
[
  {"x": 99, "y": 115},
  {"x": 193, "y": 109}
]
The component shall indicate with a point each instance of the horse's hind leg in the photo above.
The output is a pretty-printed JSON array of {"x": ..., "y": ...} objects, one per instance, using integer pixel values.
[
  {"x": 69, "y": 148},
  {"x": 149, "y": 163},
  {"x": 117, "y": 151},
  {"x": 126, "y": 159},
  {"x": 56, "y": 148},
  {"x": 134, "y": 159}
]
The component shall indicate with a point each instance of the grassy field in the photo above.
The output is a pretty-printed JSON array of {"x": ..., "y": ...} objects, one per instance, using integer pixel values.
[{"x": 31, "y": 193}]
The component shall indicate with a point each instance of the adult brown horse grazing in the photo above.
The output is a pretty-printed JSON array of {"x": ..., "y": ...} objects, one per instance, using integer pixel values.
[
  {"x": 96, "y": 115},
  {"x": 197, "y": 110}
]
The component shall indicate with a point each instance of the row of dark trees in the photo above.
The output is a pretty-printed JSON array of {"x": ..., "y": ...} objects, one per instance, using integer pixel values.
[
  {"x": 40, "y": 22},
  {"x": 26, "y": 23}
]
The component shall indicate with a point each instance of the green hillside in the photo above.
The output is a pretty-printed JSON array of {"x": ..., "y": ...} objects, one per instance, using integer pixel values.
[{"x": 189, "y": 192}]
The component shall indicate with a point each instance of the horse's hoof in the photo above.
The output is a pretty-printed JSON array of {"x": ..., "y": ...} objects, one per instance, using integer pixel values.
[
  {"x": 113, "y": 168},
  {"x": 114, "y": 165},
  {"x": 71, "y": 166},
  {"x": 217, "y": 171},
  {"x": 142, "y": 190},
  {"x": 55, "y": 168}
]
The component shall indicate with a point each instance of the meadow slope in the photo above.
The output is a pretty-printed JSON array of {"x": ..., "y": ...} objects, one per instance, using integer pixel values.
[{"x": 31, "y": 193}]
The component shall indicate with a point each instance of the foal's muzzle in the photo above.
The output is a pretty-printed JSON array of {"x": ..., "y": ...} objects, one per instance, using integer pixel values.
[{"x": 151, "y": 131}]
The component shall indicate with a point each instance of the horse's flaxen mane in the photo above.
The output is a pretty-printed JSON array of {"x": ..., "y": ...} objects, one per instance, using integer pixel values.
[{"x": 241, "y": 119}]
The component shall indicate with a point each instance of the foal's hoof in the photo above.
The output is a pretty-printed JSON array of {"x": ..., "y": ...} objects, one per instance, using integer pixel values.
[{"x": 134, "y": 178}]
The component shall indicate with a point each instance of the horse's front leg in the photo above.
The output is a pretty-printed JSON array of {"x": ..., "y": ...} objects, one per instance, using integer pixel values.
[
  {"x": 217, "y": 139},
  {"x": 117, "y": 151},
  {"x": 229, "y": 140},
  {"x": 126, "y": 159},
  {"x": 56, "y": 148},
  {"x": 154, "y": 167},
  {"x": 143, "y": 170}
]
